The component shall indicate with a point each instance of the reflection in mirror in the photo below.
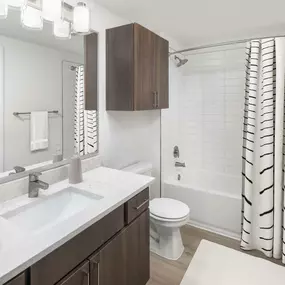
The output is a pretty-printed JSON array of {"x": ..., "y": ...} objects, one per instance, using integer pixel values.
[{"x": 42, "y": 98}]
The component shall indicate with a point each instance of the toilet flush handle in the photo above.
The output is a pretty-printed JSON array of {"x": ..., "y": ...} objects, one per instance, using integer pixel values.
[{"x": 141, "y": 205}]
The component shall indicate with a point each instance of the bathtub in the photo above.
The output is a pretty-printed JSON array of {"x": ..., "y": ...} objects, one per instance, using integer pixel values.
[{"x": 210, "y": 210}]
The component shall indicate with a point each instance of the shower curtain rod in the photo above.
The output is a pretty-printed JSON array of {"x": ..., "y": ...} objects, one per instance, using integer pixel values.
[{"x": 221, "y": 44}]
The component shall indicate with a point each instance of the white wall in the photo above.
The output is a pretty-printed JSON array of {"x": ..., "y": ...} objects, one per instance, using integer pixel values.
[
  {"x": 124, "y": 137},
  {"x": 205, "y": 121},
  {"x": 32, "y": 82}
]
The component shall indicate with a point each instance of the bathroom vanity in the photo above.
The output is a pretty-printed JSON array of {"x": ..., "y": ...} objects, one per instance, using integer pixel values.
[{"x": 112, "y": 247}]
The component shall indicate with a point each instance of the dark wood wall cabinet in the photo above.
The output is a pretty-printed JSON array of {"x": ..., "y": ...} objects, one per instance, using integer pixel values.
[
  {"x": 137, "y": 69},
  {"x": 91, "y": 71},
  {"x": 113, "y": 251}
]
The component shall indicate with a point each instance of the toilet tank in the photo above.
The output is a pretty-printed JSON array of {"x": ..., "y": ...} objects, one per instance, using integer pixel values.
[{"x": 143, "y": 168}]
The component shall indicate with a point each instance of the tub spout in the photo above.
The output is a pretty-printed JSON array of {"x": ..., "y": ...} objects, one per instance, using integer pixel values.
[{"x": 180, "y": 164}]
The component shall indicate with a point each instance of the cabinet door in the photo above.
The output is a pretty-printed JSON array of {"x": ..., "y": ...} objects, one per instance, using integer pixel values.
[
  {"x": 162, "y": 73},
  {"x": 144, "y": 69},
  {"x": 107, "y": 267},
  {"x": 137, "y": 251},
  {"x": 19, "y": 280},
  {"x": 91, "y": 71},
  {"x": 120, "y": 68},
  {"x": 79, "y": 276}
]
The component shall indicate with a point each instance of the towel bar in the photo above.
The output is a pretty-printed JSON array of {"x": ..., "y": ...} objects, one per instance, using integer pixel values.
[{"x": 28, "y": 113}]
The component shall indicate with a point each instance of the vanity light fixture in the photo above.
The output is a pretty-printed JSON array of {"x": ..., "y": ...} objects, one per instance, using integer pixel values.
[
  {"x": 52, "y": 10},
  {"x": 81, "y": 18},
  {"x": 32, "y": 18},
  {"x": 61, "y": 29},
  {"x": 3, "y": 9},
  {"x": 16, "y": 3}
]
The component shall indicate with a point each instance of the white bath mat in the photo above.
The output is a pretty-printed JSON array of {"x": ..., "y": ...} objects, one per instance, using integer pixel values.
[{"x": 214, "y": 264}]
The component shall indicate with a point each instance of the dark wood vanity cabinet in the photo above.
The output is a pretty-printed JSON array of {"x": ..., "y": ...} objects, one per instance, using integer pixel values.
[
  {"x": 137, "y": 75},
  {"x": 137, "y": 257},
  {"x": 113, "y": 251},
  {"x": 18, "y": 280},
  {"x": 107, "y": 267},
  {"x": 79, "y": 276},
  {"x": 125, "y": 259}
]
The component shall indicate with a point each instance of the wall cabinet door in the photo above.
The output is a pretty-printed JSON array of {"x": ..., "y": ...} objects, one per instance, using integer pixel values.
[
  {"x": 79, "y": 276},
  {"x": 144, "y": 68},
  {"x": 162, "y": 73},
  {"x": 19, "y": 280}
]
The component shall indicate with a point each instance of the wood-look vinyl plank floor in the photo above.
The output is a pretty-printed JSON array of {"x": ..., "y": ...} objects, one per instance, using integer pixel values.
[{"x": 166, "y": 272}]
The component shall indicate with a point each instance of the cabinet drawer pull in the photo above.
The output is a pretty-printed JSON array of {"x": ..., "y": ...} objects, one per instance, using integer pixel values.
[
  {"x": 141, "y": 205},
  {"x": 154, "y": 99},
  {"x": 157, "y": 100}
]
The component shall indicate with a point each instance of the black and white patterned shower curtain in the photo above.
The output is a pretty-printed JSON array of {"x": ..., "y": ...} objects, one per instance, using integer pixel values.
[
  {"x": 85, "y": 122},
  {"x": 263, "y": 163}
]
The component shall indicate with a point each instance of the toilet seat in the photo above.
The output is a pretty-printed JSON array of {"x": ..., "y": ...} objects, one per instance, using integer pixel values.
[
  {"x": 166, "y": 209},
  {"x": 169, "y": 220}
]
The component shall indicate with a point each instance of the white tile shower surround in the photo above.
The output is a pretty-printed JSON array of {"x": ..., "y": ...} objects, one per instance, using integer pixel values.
[{"x": 205, "y": 121}]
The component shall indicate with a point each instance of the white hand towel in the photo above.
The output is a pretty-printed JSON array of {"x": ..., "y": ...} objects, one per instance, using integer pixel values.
[{"x": 39, "y": 130}]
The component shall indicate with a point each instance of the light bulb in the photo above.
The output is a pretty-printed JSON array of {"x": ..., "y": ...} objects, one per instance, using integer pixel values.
[
  {"x": 52, "y": 9},
  {"x": 32, "y": 18},
  {"x": 81, "y": 18},
  {"x": 61, "y": 29}
]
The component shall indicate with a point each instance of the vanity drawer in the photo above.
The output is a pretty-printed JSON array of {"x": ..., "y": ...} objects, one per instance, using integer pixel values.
[
  {"x": 19, "y": 280},
  {"x": 79, "y": 276},
  {"x": 60, "y": 262},
  {"x": 136, "y": 206}
]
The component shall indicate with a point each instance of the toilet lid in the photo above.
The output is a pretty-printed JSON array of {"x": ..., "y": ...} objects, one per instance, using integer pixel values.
[{"x": 168, "y": 208}]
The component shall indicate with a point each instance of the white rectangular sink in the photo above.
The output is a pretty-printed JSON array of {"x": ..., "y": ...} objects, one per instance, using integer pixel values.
[{"x": 48, "y": 211}]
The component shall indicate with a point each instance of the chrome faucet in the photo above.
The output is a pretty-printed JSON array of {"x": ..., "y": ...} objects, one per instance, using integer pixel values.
[
  {"x": 180, "y": 164},
  {"x": 17, "y": 169},
  {"x": 35, "y": 184}
]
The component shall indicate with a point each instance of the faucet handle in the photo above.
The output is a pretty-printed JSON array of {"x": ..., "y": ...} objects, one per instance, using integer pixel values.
[
  {"x": 34, "y": 176},
  {"x": 19, "y": 169}
]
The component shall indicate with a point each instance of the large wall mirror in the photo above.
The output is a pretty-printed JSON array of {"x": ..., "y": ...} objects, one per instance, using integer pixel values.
[{"x": 42, "y": 97}]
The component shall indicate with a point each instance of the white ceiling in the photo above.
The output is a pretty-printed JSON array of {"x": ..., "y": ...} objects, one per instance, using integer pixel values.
[{"x": 195, "y": 22}]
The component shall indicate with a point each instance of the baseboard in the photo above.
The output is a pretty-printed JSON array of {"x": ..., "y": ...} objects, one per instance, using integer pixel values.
[{"x": 214, "y": 230}]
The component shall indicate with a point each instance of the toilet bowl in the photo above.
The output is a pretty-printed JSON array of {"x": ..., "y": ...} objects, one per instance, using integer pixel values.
[{"x": 167, "y": 216}]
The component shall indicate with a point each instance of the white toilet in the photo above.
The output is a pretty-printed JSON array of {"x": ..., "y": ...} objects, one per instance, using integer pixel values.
[{"x": 167, "y": 216}]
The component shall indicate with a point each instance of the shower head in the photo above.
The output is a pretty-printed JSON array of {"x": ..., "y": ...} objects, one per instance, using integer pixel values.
[{"x": 180, "y": 61}]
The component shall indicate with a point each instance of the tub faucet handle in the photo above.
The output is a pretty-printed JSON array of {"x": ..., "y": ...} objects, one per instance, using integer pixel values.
[{"x": 176, "y": 152}]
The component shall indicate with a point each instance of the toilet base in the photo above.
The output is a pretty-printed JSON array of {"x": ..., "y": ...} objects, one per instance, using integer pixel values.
[{"x": 166, "y": 242}]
